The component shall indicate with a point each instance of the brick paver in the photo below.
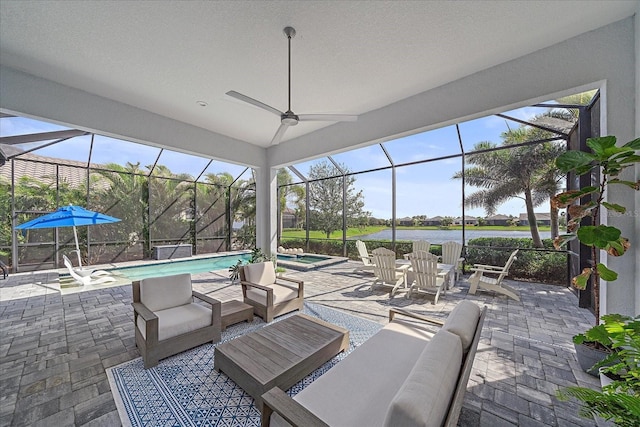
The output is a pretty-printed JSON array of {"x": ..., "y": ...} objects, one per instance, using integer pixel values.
[{"x": 55, "y": 346}]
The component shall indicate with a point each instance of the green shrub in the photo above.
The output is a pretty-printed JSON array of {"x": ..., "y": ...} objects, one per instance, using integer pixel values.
[{"x": 533, "y": 265}]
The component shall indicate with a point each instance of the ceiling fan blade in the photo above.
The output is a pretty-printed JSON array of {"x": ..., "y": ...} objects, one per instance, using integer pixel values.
[
  {"x": 327, "y": 118},
  {"x": 279, "y": 134},
  {"x": 254, "y": 102}
]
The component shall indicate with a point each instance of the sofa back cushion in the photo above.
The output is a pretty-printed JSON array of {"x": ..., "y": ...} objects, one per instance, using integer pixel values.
[
  {"x": 262, "y": 273},
  {"x": 424, "y": 398},
  {"x": 160, "y": 293},
  {"x": 463, "y": 322}
]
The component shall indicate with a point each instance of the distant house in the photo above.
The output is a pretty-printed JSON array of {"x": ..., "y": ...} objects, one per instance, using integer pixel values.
[
  {"x": 289, "y": 219},
  {"x": 436, "y": 220},
  {"x": 498, "y": 219},
  {"x": 541, "y": 218},
  {"x": 468, "y": 220},
  {"x": 406, "y": 222}
]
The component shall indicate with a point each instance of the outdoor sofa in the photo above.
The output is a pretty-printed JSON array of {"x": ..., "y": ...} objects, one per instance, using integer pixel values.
[{"x": 405, "y": 375}]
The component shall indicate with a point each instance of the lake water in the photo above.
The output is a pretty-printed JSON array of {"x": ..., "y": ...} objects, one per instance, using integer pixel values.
[{"x": 441, "y": 236}]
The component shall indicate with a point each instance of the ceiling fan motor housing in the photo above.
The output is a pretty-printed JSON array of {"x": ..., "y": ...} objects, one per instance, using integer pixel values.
[{"x": 289, "y": 118}]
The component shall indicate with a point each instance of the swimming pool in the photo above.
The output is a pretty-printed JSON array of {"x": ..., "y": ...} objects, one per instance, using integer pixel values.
[{"x": 199, "y": 265}]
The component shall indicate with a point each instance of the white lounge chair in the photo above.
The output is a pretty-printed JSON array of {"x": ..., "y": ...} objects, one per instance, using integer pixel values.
[
  {"x": 363, "y": 253},
  {"x": 479, "y": 280},
  {"x": 451, "y": 252},
  {"x": 425, "y": 274},
  {"x": 387, "y": 272},
  {"x": 86, "y": 276}
]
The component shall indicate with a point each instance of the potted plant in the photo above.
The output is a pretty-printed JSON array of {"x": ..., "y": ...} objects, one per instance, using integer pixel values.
[
  {"x": 619, "y": 400},
  {"x": 611, "y": 160}
]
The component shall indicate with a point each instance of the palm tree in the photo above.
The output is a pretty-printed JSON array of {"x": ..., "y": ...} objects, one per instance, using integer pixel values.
[
  {"x": 122, "y": 191},
  {"x": 519, "y": 172},
  {"x": 527, "y": 172}
]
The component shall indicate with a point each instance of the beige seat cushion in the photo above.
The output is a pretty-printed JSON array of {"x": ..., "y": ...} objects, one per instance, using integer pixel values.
[
  {"x": 423, "y": 399},
  {"x": 463, "y": 321},
  {"x": 281, "y": 293},
  {"x": 262, "y": 273},
  {"x": 178, "y": 320},
  {"x": 357, "y": 391},
  {"x": 160, "y": 293}
]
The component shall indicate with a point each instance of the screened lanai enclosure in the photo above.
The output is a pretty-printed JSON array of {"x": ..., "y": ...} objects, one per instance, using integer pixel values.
[{"x": 485, "y": 182}]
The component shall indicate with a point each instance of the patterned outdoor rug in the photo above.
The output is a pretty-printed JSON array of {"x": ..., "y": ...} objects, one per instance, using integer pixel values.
[{"x": 185, "y": 390}]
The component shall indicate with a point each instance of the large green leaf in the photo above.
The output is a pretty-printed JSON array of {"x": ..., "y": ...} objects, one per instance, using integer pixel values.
[
  {"x": 598, "y": 334},
  {"x": 614, "y": 207},
  {"x": 575, "y": 160},
  {"x": 619, "y": 247},
  {"x": 598, "y": 235},
  {"x": 634, "y": 144},
  {"x": 562, "y": 200},
  {"x": 606, "y": 274},
  {"x": 580, "y": 281},
  {"x": 601, "y": 144},
  {"x": 631, "y": 184}
]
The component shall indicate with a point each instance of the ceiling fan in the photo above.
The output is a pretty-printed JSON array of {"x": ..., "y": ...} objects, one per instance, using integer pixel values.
[{"x": 289, "y": 118}]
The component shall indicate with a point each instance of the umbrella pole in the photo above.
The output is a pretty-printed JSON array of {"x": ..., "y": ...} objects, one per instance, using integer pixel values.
[{"x": 75, "y": 235}]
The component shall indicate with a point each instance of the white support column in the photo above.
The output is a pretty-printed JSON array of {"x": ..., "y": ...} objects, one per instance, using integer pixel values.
[{"x": 266, "y": 210}]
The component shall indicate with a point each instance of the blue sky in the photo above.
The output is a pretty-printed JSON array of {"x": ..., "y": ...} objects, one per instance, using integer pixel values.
[
  {"x": 428, "y": 188},
  {"x": 425, "y": 189}
]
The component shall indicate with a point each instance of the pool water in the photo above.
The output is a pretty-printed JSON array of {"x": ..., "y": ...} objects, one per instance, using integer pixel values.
[
  {"x": 200, "y": 265},
  {"x": 304, "y": 259}
]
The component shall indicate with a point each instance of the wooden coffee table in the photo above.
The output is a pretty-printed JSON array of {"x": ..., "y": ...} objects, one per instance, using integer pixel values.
[{"x": 280, "y": 354}]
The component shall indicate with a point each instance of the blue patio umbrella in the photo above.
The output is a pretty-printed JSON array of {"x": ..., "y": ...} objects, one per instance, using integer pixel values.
[{"x": 68, "y": 216}]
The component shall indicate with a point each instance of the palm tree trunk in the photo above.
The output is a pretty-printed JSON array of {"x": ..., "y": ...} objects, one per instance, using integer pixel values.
[
  {"x": 553, "y": 214},
  {"x": 533, "y": 224}
]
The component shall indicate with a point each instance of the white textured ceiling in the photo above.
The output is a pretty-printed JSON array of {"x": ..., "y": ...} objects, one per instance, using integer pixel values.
[{"x": 347, "y": 57}]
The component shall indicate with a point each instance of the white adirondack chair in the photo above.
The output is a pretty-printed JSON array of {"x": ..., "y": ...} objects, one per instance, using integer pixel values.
[
  {"x": 367, "y": 263},
  {"x": 425, "y": 273},
  {"x": 386, "y": 272},
  {"x": 418, "y": 245},
  {"x": 479, "y": 280},
  {"x": 451, "y": 252}
]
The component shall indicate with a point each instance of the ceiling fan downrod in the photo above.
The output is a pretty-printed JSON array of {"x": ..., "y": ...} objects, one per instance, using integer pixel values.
[{"x": 290, "y": 32}]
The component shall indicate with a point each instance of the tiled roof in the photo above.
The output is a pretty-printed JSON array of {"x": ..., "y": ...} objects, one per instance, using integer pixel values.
[
  {"x": 540, "y": 216},
  {"x": 43, "y": 168}
]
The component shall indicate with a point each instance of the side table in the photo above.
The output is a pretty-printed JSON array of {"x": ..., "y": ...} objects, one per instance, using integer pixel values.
[{"x": 235, "y": 311}]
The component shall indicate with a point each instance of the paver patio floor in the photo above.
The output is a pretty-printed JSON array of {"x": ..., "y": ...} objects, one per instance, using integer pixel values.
[{"x": 55, "y": 347}]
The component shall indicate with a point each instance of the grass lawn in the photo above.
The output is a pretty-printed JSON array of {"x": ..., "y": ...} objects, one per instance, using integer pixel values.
[{"x": 291, "y": 233}]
